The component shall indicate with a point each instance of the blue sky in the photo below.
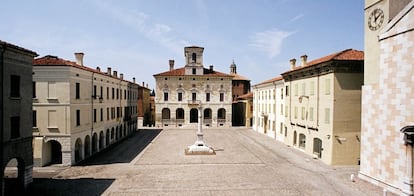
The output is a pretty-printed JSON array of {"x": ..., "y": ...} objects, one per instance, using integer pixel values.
[{"x": 138, "y": 38}]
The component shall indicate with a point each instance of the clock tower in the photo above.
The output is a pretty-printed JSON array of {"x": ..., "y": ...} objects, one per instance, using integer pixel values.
[{"x": 378, "y": 13}]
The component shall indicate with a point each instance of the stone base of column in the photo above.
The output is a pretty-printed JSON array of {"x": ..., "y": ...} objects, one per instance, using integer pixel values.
[{"x": 199, "y": 148}]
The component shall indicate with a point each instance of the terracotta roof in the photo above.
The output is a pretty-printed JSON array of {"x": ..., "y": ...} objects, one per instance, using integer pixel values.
[
  {"x": 17, "y": 47},
  {"x": 239, "y": 77},
  {"x": 246, "y": 96},
  {"x": 181, "y": 72},
  {"x": 345, "y": 55},
  {"x": 270, "y": 80},
  {"x": 50, "y": 60}
]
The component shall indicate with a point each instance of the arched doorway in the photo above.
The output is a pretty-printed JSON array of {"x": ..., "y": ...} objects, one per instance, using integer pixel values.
[
  {"x": 87, "y": 146},
  {"x": 221, "y": 116},
  {"x": 55, "y": 152},
  {"x": 207, "y": 116},
  {"x": 194, "y": 115},
  {"x": 179, "y": 116},
  {"x": 94, "y": 143},
  {"x": 101, "y": 140},
  {"x": 165, "y": 116},
  {"x": 302, "y": 141},
  {"x": 317, "y": 147},
  {"x": 13, "y": 176},
  {"x": 78, "y": 150},
  {"x": 295, "y": 138}
]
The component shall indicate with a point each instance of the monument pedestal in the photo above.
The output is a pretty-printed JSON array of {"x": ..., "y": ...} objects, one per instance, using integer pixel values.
[{"x": 199, "y": 147}]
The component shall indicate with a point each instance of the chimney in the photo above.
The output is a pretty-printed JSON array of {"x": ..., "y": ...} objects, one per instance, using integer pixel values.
[
  {"x": 79, "y": 58},
  {"x": 121, "y": 75},
  {"x": 304, "y": 58},
  {"x": 211, "y": 67},
  {"x": 292, "y": 64},
  {"x": 98, "y": 69},
  {"x": 133, "y": 80},
  {"x": 171, "y": 61},
  {"x": 109, "y": 71},
  {"x": 143, "y": 83},
  {"x": 115, "y": 74},
  {"x": 147, "y": 85}
]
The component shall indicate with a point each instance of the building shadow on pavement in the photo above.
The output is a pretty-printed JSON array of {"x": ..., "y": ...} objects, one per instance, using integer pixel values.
[
  {"x": 47, "y": 186},
  {"x": 125, "y": 150}
]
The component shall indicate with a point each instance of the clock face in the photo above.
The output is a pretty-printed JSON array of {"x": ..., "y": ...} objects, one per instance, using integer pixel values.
[{"x": 375, "y": 19}]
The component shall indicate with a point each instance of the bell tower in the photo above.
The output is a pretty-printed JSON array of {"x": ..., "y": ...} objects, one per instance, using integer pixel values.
[{"x": 194, "y": 60}]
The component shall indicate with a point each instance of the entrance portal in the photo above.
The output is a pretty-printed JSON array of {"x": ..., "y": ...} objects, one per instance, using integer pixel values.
[{"x": 193, "y": 115}]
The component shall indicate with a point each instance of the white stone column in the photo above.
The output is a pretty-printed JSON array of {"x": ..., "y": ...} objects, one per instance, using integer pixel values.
[{"x": 200, "y": 125}]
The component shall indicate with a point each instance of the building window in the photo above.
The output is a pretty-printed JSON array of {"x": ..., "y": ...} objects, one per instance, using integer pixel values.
[
  {"x": 180, "y": 96},
  {"x": 194, "y": 96},
  {"x": 194, "y": 57},
  {"x": 94, "y": 91},
  {"x": 15, "y": 127},
  {"x": 286, "y": 111},
  {"x": 51, "y": 90},
  {"x": 281, "y": 128},
  {"x": 303, "y": 88},
  {"x": 125, "y": 94},
  {"x": 327, "y": 86},
  {"x": 221, "y": 97},
  {"x": 94, "y": 115},
  {"x": 107, "y": 92},
  {"x": 34, "y": 89},
  {"x": 14, "y": 86},
  {"x": 281, "y": 109},
  {"x": 113, "y": 93},
  {"x": 107, "y": 113},
  {"x": 77, "y": 90},
  {"x": 281, "y": 93},
  {"x": 327, "y": 115},
  {"x": 303, "y": 113},
  {"x": 165, "y": 96},
  {"x": 101, "y": 114},
  {"x": 207, "y": 97},
  {"x": 77, "y": 117},
  {"x": 296, "y": 112},
  {"x": 34, "y": 122},
  {"x": 296, "y": 89},
  {"x": 287, "y": 90},
  {"x": 52, "y": 118},
  {"x": 117, "y": 93},
  {"x": 101, "y": 96},
  {"x": 312, "y": 88},
  {"x": 194, "y": 71},
  {"x": 311, "y": 113}
]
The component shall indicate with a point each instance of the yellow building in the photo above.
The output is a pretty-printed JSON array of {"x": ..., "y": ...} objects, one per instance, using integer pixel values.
[
  {"x": 78, "y": 111},
  {"x": 323, "y": 106}
]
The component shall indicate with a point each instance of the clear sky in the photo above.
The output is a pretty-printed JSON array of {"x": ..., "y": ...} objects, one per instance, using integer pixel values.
[{"x": 137, "y": 37}]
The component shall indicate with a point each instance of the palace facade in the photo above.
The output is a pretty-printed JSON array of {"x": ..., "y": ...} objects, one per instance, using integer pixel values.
[{"x": 180, "y": 91}]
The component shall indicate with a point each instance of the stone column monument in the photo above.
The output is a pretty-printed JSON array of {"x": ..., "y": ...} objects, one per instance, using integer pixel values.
[{"x": 199, "y": 147}]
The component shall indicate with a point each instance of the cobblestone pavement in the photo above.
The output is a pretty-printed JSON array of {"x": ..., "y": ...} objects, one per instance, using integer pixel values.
[{"x": 246, "y": 163}]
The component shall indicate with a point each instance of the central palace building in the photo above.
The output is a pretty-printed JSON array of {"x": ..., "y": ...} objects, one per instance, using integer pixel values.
[{"x": 180, "y": 91}]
